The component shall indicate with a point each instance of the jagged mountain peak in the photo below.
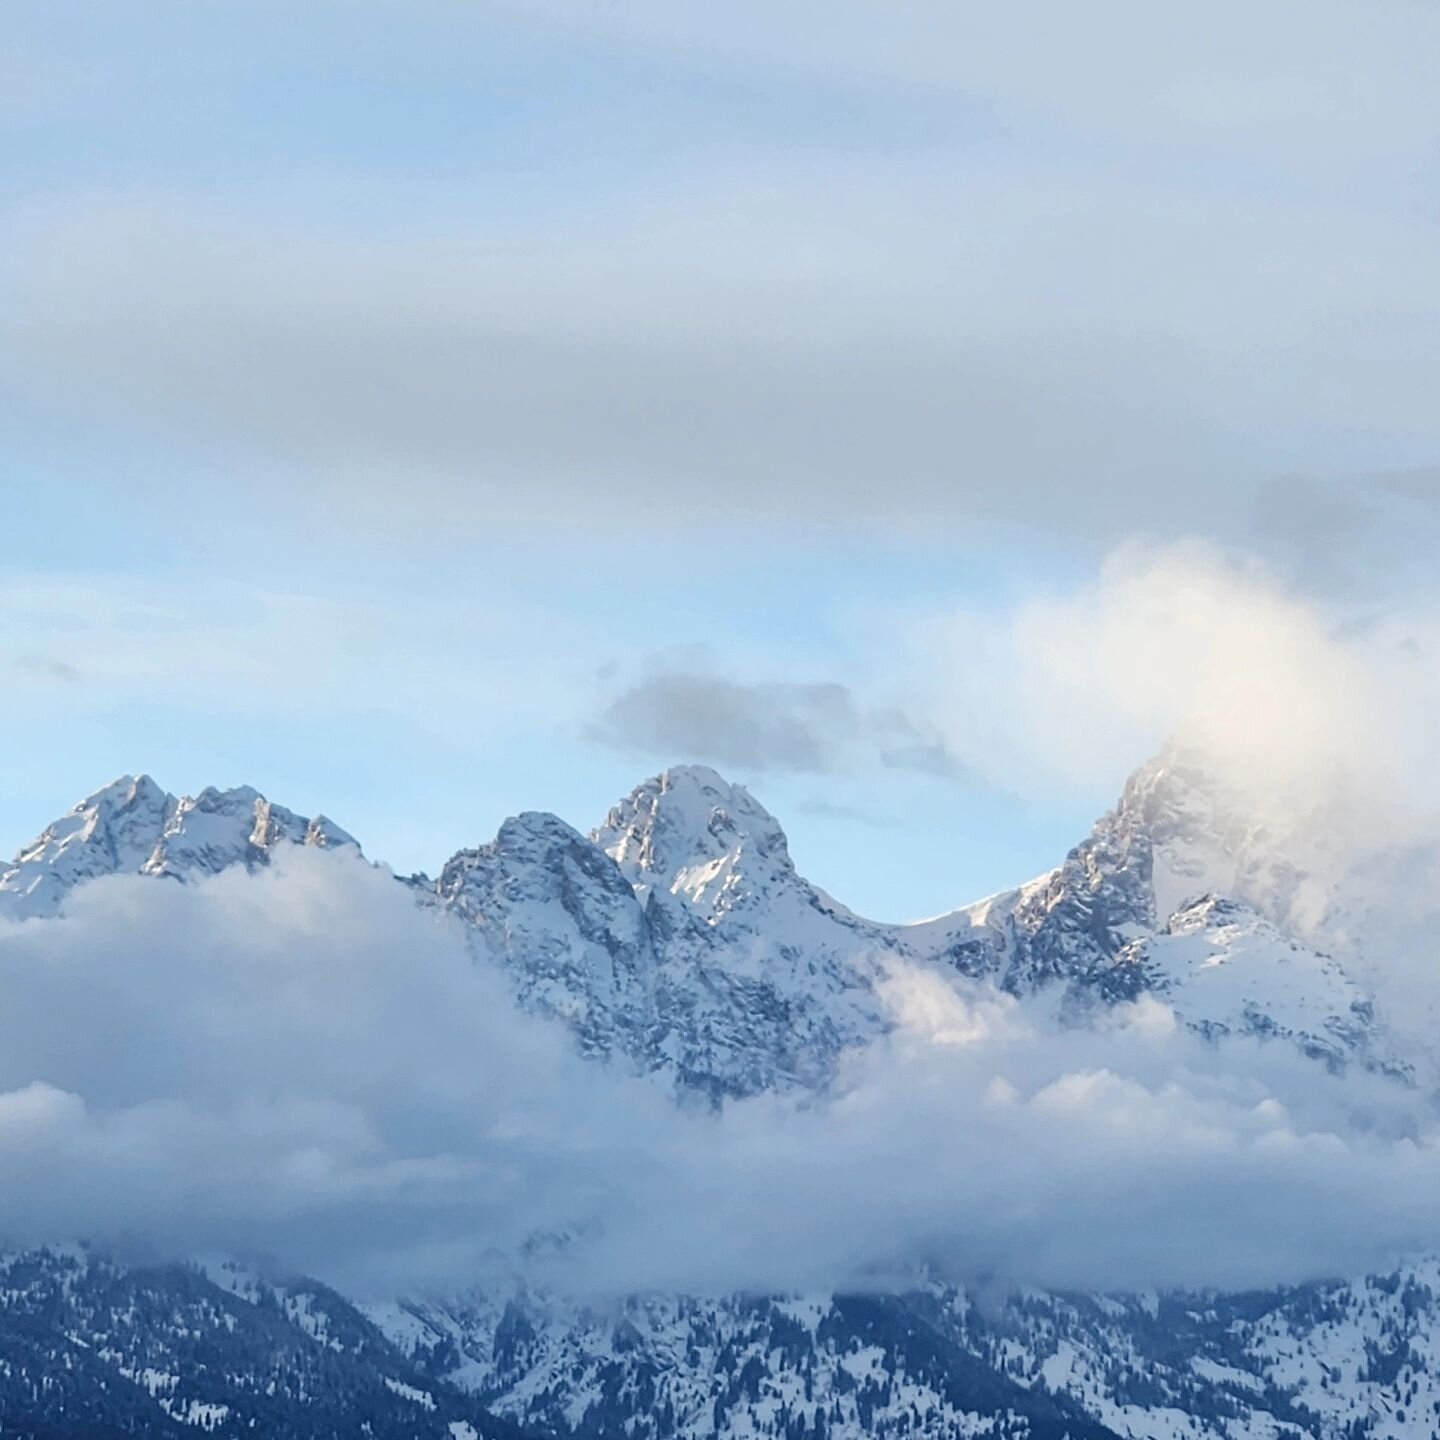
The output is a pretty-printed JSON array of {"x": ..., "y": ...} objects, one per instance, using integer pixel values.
[
  {"x": 678, "y": 935},
  {"x": 123, "y": 791},
  {"x": 678, "y": 940},
  {"x": 1174, "y": 834},
  {"x": 1179, "y": 776},
  {"x": 693, "y": 833},
  {"x": 535, "y": 826},
  {"x": 217, "y": 828},
  {"x": 129, "y": 798},
  {"x": 272, "y": 822},
  {"x": 1194, "y": 825},
  {"x": 113, "y": 830},
  {"x": 134, "y": 826}
]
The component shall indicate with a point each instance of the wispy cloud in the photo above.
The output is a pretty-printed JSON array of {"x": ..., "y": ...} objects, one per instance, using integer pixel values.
[{"x": 204, "y": 640}]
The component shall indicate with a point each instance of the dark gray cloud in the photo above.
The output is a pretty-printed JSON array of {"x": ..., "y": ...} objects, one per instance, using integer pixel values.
[{"x": 814, "y": 729}]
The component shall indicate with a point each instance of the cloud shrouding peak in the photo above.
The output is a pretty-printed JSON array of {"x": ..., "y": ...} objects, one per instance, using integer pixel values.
[{"x": 1275, "y": 686}]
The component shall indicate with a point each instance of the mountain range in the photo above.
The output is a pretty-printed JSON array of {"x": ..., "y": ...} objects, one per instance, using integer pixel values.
[{"x": 677, "y": 941}]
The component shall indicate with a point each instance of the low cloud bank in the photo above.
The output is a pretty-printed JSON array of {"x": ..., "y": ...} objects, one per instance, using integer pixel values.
[{"x": 300, "y": 1064}]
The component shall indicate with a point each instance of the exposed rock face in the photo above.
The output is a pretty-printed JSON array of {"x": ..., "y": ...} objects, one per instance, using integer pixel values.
[
  {"x": 544, "y": 902},
  {"x": 677, "y": 938}
]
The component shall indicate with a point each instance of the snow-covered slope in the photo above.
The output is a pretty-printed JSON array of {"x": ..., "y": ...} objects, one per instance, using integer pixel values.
[
  {"x": 89, "y": 1345},
  {"x": 1185, "y": 892},
  {"x": 671, "y": 1368},
  {"x": 689, "y": 833},
  {"x": 93, "y": 1347},
  {"x": 1225, "y": 970},
  {"x": 1169, "y": 839},
  {"x": 133, "y": 827}
]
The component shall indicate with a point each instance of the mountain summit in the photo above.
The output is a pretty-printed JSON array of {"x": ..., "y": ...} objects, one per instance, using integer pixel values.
[{"x": 689, "y": 832}]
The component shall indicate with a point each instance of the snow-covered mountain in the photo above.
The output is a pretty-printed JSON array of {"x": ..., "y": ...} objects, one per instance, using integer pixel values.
[
  {"x": 1355, "y": 1360},
  {"x": 1228, "y": 971},
  {"x": 677, "y": 939},
  {"x": 679, "y": 935},
  {"x": 133, "y": 827}
]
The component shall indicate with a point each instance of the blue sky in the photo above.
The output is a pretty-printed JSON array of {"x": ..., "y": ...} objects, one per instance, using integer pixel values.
[{"x": 401, "y": 399}]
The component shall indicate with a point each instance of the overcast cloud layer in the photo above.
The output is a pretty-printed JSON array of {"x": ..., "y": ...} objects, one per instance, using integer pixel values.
[
  {"x": 1087, "y": 276},
  {"x": 918, "y": 372}
]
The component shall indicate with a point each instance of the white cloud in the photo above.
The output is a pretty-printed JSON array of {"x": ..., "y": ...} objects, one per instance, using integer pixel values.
[
  {"x": 1070, "y": 267},
  {"x": 1129, "y": 277},
  {"x": 1315, "y": 719},
  {"x": 295, "y": 1063},
  {"x": 986, "y": 1146}
]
